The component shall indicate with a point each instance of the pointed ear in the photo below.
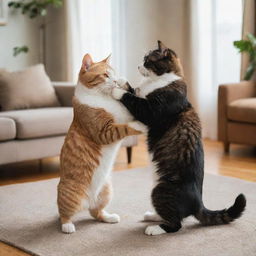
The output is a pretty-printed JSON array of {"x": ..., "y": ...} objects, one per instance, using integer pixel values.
[
  {"x": 87, "y": 61},
  {"x": 161, "y": 47},
  {"x": 181, "y": 71},
  {"x": 107, "y": 60}
]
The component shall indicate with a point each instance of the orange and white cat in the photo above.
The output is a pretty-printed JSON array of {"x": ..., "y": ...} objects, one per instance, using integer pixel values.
[{"x": 87, "y": 156}]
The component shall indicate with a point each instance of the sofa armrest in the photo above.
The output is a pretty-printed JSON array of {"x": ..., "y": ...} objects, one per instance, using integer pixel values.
[
  {"x": 226, "y": 94},
  {"x": 65, "y": 92},
  {"x": 130, "y": 141}
]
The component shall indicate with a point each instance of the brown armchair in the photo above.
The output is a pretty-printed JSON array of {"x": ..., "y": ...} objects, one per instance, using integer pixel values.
[{"x": 237, "y": 113}]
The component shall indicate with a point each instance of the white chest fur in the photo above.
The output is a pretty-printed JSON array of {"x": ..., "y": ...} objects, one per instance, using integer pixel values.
[
  {"x": 153, "y": 82},
  {"x": 96, "y": 99},
  {"x": 102, "y": 173}
]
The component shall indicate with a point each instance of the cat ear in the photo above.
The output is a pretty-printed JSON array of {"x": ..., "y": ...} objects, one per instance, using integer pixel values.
[
  {"x": 162, "y": 48},
  {"x": 107, "y": 60},
  {"x": 181, "y": 71},
  {"x": 87, "y": 61}
]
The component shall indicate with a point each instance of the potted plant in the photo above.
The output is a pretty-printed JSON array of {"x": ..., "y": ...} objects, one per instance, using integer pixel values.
[
  {"x": 34, "y": 9},
  {"x": 248, "y": 46}
]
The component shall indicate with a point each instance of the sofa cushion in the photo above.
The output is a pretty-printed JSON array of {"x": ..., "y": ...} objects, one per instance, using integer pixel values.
[
  {"x": 7, "y": 129},
  {"x": 43, "y": 122},
  {"x": 243, "y": 110},
  {"x": 28, "y": 88}
]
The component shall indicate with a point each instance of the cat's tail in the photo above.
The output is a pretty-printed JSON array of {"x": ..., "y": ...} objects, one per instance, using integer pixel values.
[{"x": 208, "y": 217}]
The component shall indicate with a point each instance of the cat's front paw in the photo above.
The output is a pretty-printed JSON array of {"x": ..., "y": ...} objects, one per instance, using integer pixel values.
[
  {"x": 117, "y": 93},
  {"x": 137, "y": 91},
  {"x": 138, "y": 126},
  {"x": 107, "y": 89},
  {"x": 122, "y": 83}
]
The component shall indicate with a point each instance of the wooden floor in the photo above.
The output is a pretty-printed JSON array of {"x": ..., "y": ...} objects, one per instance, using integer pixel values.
[{"x": 239, "y": 163}]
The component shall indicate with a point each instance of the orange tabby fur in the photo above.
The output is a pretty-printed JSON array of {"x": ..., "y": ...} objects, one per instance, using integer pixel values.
[{"x": 91, "y": 129}]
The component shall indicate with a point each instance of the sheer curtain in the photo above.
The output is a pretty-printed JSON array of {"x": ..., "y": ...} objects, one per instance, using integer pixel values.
[
  {"x": 127, "y": 29},
  {"x": 214, "y": 25},
  {"x": 89, "y": 30}
]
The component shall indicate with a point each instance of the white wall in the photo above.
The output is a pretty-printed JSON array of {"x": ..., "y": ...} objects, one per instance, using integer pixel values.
[
  {"x": 19, "y": 31},
  {"x": 143, "y": 23},
  {"x": 140, "y": 23},
  {"x": 172, "y": 25}
]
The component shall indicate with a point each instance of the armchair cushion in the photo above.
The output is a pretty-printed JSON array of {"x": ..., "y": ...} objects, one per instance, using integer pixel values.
[
  {"x": 243, "y": 110},
  {"x": 227, "y": 94},
  {"x": 28, "y": 88},
  {"x": 43, "y": 122},
  {"x": 8, "y": 129}
]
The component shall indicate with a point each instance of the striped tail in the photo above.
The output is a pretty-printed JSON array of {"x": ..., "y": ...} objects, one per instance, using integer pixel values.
[{"x": 208, "y": 217}]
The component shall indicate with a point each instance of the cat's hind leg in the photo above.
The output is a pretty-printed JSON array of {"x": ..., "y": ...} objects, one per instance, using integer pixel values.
[
  {"x": 67, "y": 226},
  {"x": 165, "y": 202},
  {"x": 69, "y": 203},
  {"x": 97, "y": 208}
]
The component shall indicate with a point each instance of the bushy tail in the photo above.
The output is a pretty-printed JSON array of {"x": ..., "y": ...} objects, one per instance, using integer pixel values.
[{"x": 208, "y": 217}]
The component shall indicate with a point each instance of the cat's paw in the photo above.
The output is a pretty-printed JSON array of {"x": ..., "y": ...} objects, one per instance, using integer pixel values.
[
  {"x": 151, "y": 216},
  {"x": 117, "y": 93},
  {"x": 111, "y": 218},
  {"x": 138, "y": 126},
  {"x": 154, "y": 230},
  {"x": 68, "y": 228},
  {"x": 108, "y": 88},
  {"x": 137, "y": 91},
  {"x": 122, "y": 83}
]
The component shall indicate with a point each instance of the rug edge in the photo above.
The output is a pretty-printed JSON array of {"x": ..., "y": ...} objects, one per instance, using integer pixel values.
[{"x": 19, "y": 247}]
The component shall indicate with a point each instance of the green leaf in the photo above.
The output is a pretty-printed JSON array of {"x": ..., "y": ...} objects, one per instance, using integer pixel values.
[
  {"x": 43, "y": 12},
  {"x": 10, "y": 4},
  {"x": 28, "y": 7},
  {"x": 243, "y": 45},
  {"x": 58, "y": 3},
  {"x": 248, "y": 46},
  {"x": 249, "y": 71},
  {"x": 17, "y": 50},
  {"x": 252, "y": 39}
]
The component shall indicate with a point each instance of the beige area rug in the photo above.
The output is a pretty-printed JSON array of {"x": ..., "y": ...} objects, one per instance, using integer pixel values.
[{"x": 28, "y": 220}]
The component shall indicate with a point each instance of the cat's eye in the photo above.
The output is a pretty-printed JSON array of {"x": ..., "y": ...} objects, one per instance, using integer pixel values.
[{"x": 106, "y": 75}]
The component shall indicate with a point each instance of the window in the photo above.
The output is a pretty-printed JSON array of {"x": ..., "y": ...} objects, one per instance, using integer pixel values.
[{"x": 228, "y": 26}]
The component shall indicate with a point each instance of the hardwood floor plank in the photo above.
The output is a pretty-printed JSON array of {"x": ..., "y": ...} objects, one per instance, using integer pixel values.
[{"x": 7, "y": 250}]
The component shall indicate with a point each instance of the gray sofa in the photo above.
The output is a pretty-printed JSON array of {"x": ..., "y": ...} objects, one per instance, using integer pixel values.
[{"x": 39, "y": 133}]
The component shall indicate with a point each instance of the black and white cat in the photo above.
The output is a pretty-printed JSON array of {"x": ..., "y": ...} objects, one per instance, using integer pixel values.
[{"x": 174, "y": 143}]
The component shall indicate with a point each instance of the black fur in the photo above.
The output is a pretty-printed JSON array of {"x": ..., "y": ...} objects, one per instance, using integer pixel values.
[
  {"x": 174, "y": 139},
  {"x": 129, "y": 88}
]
